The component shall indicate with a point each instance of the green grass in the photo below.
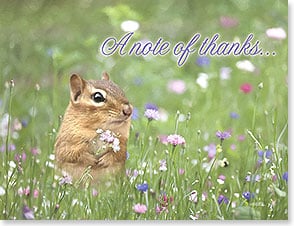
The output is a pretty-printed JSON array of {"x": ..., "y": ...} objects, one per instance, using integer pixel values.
[{"x": 42, "y": 44}]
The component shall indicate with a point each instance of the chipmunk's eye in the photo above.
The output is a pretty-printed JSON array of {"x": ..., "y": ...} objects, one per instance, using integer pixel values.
[{"x": 98, "y": 97}]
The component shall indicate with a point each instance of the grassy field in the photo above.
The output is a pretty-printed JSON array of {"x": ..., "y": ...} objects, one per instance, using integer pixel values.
[{"x": 231, "y": 111}]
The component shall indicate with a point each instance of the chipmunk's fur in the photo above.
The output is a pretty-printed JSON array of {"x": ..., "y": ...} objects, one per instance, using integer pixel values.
[{"x": 78, "y": 140}]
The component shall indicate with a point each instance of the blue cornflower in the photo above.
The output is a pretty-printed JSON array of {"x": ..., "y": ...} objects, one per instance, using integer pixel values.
[
  {"x": 285, "y": 176},
  {"x": 247, "y": 195},
  {"x": 222, "y": 199},
  {"x": 28, "y": 214},
  {"x": 151, "y": 106},
  {"x": 142, "y": 187},
  {"x": 264, "y": 155},
  {"x": 253, "y": 178},
  {"x": 223, "y": 135},
  {"x": 234, "y": 115},
  {"x": 135, "y": 114},
  {"x": 203, "y": 61}
]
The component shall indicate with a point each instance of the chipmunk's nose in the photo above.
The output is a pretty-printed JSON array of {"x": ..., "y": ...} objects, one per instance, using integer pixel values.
[{"x": 127, "y": 109}]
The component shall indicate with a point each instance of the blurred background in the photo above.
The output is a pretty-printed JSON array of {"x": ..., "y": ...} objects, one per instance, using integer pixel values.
[{"x": 43, "y": 42}]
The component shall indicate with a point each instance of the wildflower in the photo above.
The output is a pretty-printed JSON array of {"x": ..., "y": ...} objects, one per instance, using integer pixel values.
[
  {"x": 234, "y": 115},
  {"x": 129, "y": 25},
  {"x": 36, "y": 193},
  {"x": 246, "y": 88},
  {"x": 225, "y": 73},
  {"x": 152, "y": 114},
  {"x": 202, "y": 80},
  {"x": 94, "y": 192},
  {"x": 247, "y": 195},
  {"x": 222, "y": 199},
  {"x": 176, "y": 86},
  {"x": 276, "y": 33},
  {"x": 140, "y": 208},
  {"x": 162, "y": 166},
  {"x": 223, "y": 135},
  {"x": 35, "y": 151},
  {"x": 253, "y": 178},
  {"x": 241, "y": 137},
  {"x": 109, "y": 138},
  {"x": 164, "y": 203},
  {"x": 285, "y": 176},
  {"x": 181, "y": 171},
  {"x": 135, "y": 114},
  {"x": 65, "y": 179},
  {"x": 228, "y": 22},
  {"x": 142, "y": 187},
  {"x": 211, "y": 149},
  {"x": 151, "y": 106},
  {"x": 221, "y": 179},
  {"x": 193, "y": 197},
  {"x": 264, "y": 155},
  {"x": 203, "y": 61},
  {"x": 175, "y": 140},
  {"x": 20, "y": 157},
  {"x": 163, "y": 139},
  {"x": 28, "y": 214},
  {"x": 245, "y": 65}
]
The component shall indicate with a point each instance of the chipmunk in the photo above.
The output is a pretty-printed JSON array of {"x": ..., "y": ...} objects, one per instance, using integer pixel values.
[{"x": 96, "y": 108}]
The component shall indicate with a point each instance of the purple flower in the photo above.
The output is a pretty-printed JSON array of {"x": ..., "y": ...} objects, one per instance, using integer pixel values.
[
  {"x": 151, "y": 106},
  {"x": 203, "y": 61},
  {"x": 247, "y": 195},
  {"x": 211, "y": 149},
  {"x": 135, "y": 114},
  {"x": 142, "y": 187},
  {"x": 162, "y": 165},
  {"x": 252, "y": 178},
  {"x": 264, "y": 155},
  {"x": 28, "y": 214},
  {"x": 285, "y": 176},
  {"x": 234, "y": 115},
  {"x": 35, "y": 151},
  {"x": 65, "y": 179},
  {"x": 175, "y": 140},
  {"x": 151, "y": 114},
  {"x": 222, "y": 199},
  {"x": 140, "y": 208},
  {"x": 109, "y": 138},
  {"x": 223, "y": 135}
]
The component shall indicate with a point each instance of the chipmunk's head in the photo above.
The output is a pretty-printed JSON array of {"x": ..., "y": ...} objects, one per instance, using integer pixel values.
[{"x": 100, "y": 103}]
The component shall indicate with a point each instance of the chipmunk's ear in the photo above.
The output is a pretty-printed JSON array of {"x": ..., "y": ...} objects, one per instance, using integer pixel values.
[
  {"x": 77, "y": 86},
  {"x": 105, "y": 76}
]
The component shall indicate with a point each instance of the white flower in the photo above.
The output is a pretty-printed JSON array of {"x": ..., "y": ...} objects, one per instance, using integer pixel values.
[
  {"x": 276, "y": 33},
  {"x": 245, "y": 65},
  {"x": 193, "y": 196},
  {"x": 202, "y": 80},
  {"x": 129, "y": 25}
]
